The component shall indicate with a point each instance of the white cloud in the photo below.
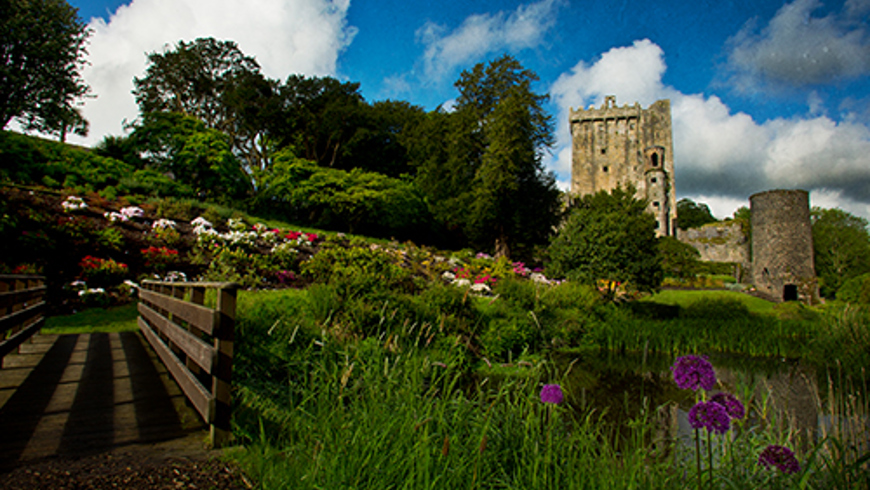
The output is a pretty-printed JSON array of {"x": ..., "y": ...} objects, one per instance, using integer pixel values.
[
  {"x": 482, "y": 34},
  {"x": 295, "y": 36},
  {"x": 722, "y": 158},
  {"x": 797, "y": 49}
]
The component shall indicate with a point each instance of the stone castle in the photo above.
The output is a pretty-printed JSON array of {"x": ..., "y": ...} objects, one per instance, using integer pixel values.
[{"x": 620, "y": 146}]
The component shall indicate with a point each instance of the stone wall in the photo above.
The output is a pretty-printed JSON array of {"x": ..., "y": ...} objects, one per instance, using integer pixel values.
[
  {"x": 724, "y": 241},
  {"x": 620, "y": 146}
]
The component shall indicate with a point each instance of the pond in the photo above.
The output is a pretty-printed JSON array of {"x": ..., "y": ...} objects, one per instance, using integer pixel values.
[{"x": 787, "y": 396}]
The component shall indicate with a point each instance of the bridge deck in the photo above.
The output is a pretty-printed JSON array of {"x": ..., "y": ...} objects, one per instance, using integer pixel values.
[{"x": 81, "y": 394}]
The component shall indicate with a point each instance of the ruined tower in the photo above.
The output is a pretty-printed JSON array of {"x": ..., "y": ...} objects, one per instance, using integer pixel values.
[
  {"x": 620, "y": 146},
  {"x": 782, "y": 245}
]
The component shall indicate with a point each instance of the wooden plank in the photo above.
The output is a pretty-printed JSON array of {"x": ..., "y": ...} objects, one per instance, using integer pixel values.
[
  {"x": 21, "y": 296},
  {"x": 21, "y": 316},
  {"x": 196, "y": 349},
  {"x": 14, "y": 341},
  {"x": 201, "y": 317},
  {"x": 192, "y": 388}
]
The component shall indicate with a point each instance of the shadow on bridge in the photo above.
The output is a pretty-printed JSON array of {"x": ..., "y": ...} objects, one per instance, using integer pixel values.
[{"x": 82, "y": 394}]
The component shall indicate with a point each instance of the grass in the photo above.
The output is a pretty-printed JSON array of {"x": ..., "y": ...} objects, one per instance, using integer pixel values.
[
  {"x": 113, "y": 319},
  {"x": 683, "y": 298}
]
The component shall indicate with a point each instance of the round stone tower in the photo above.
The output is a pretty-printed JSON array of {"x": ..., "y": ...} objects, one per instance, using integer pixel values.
[{"x": 782, "y": 245}]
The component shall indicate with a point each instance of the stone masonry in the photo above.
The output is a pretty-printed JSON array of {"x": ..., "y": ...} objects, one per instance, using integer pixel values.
[{"x": 620, "y": 146}]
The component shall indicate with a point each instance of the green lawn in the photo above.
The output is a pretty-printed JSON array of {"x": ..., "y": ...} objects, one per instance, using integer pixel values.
[
  {"x": 685, "y": 297},
  {"x": 114, "y": 319}
]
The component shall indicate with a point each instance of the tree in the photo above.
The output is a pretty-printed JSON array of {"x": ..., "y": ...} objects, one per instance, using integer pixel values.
[
  {"x": 42, "y": 52},
  {"x": 215, "y": 82},
  {"x": 319, "y": 116},
  {"x": 693, "y": 215},
  {"x": 841, "y": 246},
  {"x": 488, "y": 177},
  {"x": 608, "y": 237},
  {"x": 192, "y": 154}
]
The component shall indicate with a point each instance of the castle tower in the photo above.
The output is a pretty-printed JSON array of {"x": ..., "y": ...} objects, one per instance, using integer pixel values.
[
  {"x": 782, "y": 245},
  {"x": 620, "y": 146}
]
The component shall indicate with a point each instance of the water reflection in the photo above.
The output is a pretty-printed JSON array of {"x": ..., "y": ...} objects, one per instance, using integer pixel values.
[{"x": 788, "y": 397}]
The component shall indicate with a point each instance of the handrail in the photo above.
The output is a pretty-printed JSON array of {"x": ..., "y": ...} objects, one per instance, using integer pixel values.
[
  {"x": 195, "y": 343},
  {"x": 22, "y": 309}
]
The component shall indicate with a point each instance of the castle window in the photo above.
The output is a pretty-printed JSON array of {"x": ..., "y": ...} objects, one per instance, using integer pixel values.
[
  {"x": 604, "y": 168},
  {"x": 603, "y": 151},
  {"x": 657, "y": 225},
  {"x": 653, "y": 180},
  {"x": 656, "y": 203},
  {"x": 655, "y": 159}
]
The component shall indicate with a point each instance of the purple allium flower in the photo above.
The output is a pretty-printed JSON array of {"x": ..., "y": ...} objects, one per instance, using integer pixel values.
[
  {"x": 552, "y": 394},
  {"x": 780, "y": 457},
  {"x": 711, "y": 416},
  {"x": 732, "y": 405},
  {"x": 693, "y": 372}
]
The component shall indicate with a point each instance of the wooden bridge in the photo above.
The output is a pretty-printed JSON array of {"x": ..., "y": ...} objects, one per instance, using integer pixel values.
[{"x": 76, "y": 395}]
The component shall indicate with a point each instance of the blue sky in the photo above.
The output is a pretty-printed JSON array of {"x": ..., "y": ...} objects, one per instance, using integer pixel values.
[{"x": 764, "y": 94}]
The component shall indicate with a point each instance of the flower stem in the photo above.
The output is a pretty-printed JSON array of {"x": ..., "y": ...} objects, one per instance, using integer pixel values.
[
  {"x": 710, "y": 456},
  {"x": 698, "y": 455}
]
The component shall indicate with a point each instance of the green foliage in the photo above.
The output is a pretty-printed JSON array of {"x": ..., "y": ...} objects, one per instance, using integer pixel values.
[
  {"x": 678, "y": 259},
  {"x": 111, "y": 238},
  {"x": 479, "y": 167},
  {"x": 841, "y": 244},
  {"x": 608, "y": 236},
  {"x": 196, "y": 155},
  {"x": 855, "y": 290},
  {"x": 43, "y": 46},
  {"x": 30, "y": 160},
  {"x": 693, "y": 215},
  {"x": 212, "y": 81},
  {"x": 356, "y": 201},
  {"x": 356, "y": 269}
]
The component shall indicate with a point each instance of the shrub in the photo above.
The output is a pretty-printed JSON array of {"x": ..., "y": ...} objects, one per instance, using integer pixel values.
[
  {"x": 355, "y": 270},
  {"x": 855, "y": 290}
]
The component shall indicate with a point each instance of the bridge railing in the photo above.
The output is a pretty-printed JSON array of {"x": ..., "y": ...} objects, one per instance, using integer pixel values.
[
  {"x": 195, "y": 343},
  {"x": 22, "y": 309}
]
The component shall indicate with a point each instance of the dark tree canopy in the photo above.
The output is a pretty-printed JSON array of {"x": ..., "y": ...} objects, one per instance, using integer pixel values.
[
  {"x": 692, "y": 215},
  {"x": 215, "y": 82},
  {"x": 42, "y": 50},
  {"x": 608, "y": 237},
  {"x": 480, "y": 166},
  {"x": 842, "y": 247}
]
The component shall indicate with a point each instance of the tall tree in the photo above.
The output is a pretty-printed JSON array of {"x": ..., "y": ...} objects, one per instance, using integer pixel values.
[
  {"x": 319, "y": 117},
  {"x": 608, "y": 237},
  {"x": 490, "y": 179},
  {"x": 42, "y": 52},
  {"x": 215, "y": 82},
  {"x": 841, "y": 246}
]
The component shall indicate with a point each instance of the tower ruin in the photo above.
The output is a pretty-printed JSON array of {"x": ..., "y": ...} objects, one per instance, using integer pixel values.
[
  {"x": 620, "y": 146},
  {"x": 783, "y": 267}
]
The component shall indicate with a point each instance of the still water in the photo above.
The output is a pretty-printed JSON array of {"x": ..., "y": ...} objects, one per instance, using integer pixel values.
[{"x": 806, "y": 402}]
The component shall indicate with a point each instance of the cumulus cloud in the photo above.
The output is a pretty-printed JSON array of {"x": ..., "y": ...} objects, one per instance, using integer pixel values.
[
  {"x": 798, "y": 49},
  {"x": 285, "y": 36},
  {"x": 722, "y": 157},
  {"x": 479, "y": 35}
]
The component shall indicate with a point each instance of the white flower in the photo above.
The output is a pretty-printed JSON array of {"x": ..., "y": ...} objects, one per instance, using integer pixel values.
[
  {"x": 200, "y": 221},
  {"x": 73, "y": 203},
  {"x": 162, "y": 224},
  {"x": 114, "y": 216},
  {"x": 131, "y": 212}
]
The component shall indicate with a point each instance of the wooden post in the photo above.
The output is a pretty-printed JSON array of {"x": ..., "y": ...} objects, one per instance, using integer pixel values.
[{"x": 223, "y": 370}]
